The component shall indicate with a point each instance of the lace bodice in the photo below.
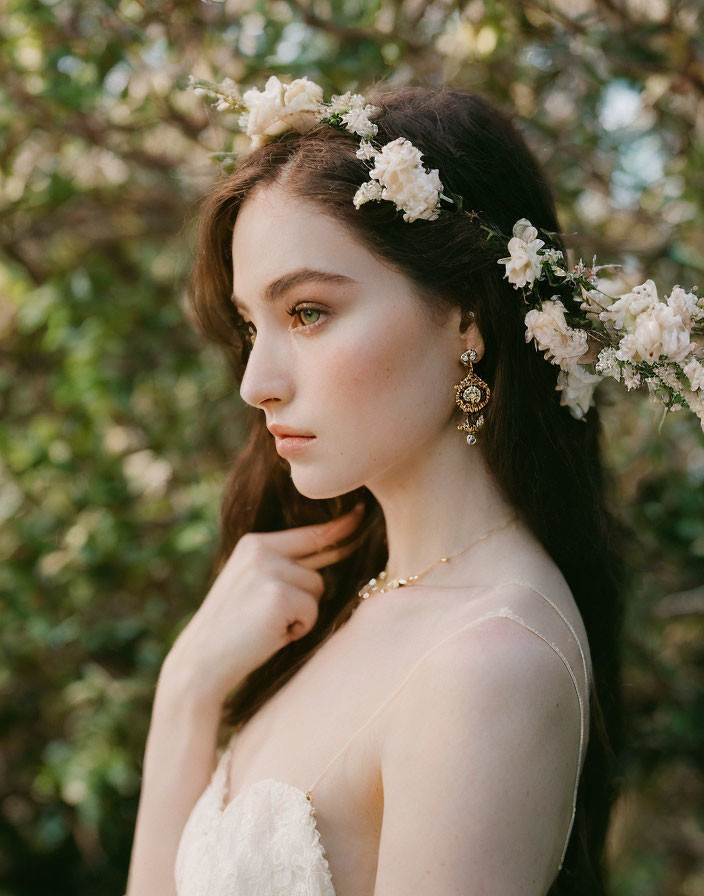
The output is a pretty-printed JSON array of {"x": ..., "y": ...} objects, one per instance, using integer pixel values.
[{"x": 265, "y": 841}]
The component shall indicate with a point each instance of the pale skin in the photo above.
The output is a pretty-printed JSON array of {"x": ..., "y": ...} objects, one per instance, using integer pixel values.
[{"x": 465, "y": 784}]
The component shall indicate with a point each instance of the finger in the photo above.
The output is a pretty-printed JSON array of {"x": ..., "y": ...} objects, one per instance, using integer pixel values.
[
  {"x": 331, "y": 555},
  {"x": 302, "y": 541},
  {"x": 304, "y": 620},
  {"x": 302, "y": 577}
]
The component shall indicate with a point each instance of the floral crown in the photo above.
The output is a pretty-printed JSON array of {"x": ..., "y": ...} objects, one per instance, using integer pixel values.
[{"x": 633, "y": 338}]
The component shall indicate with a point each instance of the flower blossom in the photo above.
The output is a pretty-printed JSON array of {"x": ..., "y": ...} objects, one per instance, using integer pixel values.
[
  {"x": 561, "y": 343},
  {"x": 607, "y": 363},
  {"x": 281, "y": 107},
  {"x": 554, "y": 256},
  {"x": 694, "y": 372},
  {"x": 369, "y": 190},
  {"x": 696, "y": 404},
  {"x": 624, "y": 311},
  {"x": 577, "y": 385},
  {"x": 523, "y": 265},
  {"x": 341, "y": 102},
  {"x": 398, "y": 168},
  {"x": 354, "y": 112},
  {"x": 357, "y": 122},
  {"x": 684, "y": 304},
  {"x": 229, "y": 95},
  {"x": 366, "y": 150},
  {"x": 658, "y": 330}
]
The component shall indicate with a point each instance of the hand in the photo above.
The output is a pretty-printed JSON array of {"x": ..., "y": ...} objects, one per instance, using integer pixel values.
[{"x": 266, "y": 596}]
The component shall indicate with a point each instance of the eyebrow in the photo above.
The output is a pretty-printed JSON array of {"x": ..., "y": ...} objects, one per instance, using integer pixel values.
[{"x": 283, "y": 284}]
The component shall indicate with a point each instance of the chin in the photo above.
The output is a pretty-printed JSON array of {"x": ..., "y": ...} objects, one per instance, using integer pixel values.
[
  {"x": 320, "y": 491},
  {"x": 317, "y": 494}
]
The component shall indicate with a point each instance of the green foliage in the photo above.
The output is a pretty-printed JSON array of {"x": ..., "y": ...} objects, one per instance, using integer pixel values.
[{"x": 117, "y": 426}]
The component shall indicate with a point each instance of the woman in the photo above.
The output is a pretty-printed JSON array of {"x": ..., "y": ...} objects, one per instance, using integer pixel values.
[{"x": 456, "y": 734}]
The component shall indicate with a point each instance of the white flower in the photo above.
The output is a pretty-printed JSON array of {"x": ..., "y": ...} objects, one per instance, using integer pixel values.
[
  {"x": 696, "y": 404},
  {"x": 577, "y": 385},
  {"x": 227, "y": 85},
  {"x": 342, "y": 102},
  {"x": 556, "y": 260},
  {"x": 524, "y": 230},
  {"x": 684, "y": 304},
  {"x": 281, "y": 107},
  {"x": 624, "y": 311},
  {"x": 627, "y": 349},
  {"x": 553, "y": 255},
  {"x": 669, "y": 377},
  {"x": 399, "y": 170},
  {"x": 227, "y": 93},
  {"x": 631, "y": 378},
  {"x": 366, "y": 150},
  {"x": 524, "y": 264},
  {"x": 354, "y": 112},
  {"x": 561, "y": 343},
  {"x": 199, "y": 91},
  {"x": 606, "y": 363},
  {"x": 655, "y": 389},
  {"x": 694, "y": 372},
  {"x": 658, "y": 331},
  {"x": 357, "y": 121},
  {"x": 369, "y": 190}
]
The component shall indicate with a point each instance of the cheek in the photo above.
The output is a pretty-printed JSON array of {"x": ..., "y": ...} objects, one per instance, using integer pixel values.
[
  {"x": 376, "y": 373},
  {"x": 359, "y": 372}
]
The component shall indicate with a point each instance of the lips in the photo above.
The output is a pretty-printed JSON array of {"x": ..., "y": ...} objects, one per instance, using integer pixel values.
[
  {"x": 283, "y": 432},
  {"x": 292, "y": 446}
]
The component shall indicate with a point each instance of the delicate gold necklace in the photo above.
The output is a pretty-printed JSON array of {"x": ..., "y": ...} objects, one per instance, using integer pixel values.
[{"x": 379, "y": 584}]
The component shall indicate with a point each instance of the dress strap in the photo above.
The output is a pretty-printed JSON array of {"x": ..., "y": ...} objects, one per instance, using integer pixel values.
[
  {"x": 508, "y": 613},
  {"x": 398, "y": 689},
  {"x": 574, "y": 681},
  {"x": 587, "y": 683},
  {"x": 505, "y": 611}
]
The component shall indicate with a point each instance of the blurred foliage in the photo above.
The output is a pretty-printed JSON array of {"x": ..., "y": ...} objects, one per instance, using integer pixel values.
[{"x": 117, "y": 426}]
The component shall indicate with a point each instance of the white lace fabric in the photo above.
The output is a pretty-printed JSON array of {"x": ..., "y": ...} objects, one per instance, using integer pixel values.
[{"x": 265, "y": 841}]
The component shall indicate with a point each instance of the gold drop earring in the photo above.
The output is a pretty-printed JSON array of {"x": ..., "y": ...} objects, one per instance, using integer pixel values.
[{"x": 471, "y": 395}]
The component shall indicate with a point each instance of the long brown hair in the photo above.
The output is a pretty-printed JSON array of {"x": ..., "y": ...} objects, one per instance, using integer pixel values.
[{"x": 547, "y": 462}]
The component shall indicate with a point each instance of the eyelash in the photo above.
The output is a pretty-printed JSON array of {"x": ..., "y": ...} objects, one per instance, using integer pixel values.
[{"x": 292, "y": 311}]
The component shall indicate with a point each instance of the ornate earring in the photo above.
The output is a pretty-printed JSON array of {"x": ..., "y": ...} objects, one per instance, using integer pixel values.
[{"x": 471, "y": 395}]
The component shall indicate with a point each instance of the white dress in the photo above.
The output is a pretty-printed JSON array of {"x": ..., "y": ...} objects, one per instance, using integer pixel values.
[{"x": 265, "y": 841}]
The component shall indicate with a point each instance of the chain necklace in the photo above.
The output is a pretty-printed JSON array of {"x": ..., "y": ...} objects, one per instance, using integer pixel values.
[{"x": 379, "y": 584}]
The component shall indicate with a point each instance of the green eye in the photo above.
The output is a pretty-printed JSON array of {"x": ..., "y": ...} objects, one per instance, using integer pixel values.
[
  {"x": 307, "y": 311},
  {"x": 299, "y": 310}
]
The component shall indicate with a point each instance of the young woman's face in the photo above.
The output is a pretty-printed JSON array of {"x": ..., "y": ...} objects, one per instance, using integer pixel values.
[{"x": 355, "y": 363}]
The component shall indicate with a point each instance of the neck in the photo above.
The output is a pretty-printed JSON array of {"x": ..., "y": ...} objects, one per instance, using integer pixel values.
[{"x": 441, "y": 500}]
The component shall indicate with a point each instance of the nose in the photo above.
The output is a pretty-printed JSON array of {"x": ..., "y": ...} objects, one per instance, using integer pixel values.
[{"x": 267, "y": 376}]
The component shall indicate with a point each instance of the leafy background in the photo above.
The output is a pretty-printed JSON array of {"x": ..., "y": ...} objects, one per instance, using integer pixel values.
[{"x": 118, "y": 426}]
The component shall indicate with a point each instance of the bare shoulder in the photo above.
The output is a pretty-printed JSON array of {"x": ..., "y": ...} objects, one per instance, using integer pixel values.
[
  {"x": 491, "y": 654},
  {"x": 553, "y": 590},
  {"x": 521, "y": 574},
  {"x": 486, "y": 732},
  {"x": 485, "y": 664}
]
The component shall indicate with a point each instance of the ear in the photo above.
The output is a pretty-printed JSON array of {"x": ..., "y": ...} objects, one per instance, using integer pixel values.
[{"x": 469, "y": 335}]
